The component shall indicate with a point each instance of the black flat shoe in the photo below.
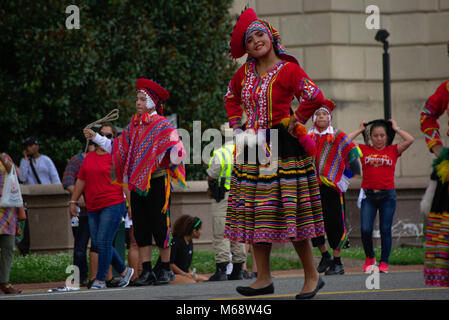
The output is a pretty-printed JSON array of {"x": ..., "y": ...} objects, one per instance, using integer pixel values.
[
  {"x": 310, "y": 295},
  {"x": 248, "y": 291}
]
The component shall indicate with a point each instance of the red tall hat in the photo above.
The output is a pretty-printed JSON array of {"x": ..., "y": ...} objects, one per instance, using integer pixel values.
[
  {"x": 152, "y": 88},
  {"x": 240, "y": 29},
  {"x": 245, "y": 19}
]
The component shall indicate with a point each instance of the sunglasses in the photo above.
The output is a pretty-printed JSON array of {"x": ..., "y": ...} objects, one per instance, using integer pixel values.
[{"x": 107, "y": 135}]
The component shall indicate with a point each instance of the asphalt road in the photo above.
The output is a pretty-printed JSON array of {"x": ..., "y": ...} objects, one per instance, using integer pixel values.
[{"x": 356, "y": 286}]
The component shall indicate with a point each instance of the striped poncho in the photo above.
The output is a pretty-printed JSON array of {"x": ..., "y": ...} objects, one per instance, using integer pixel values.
[
  {"x": 148, "y": 145},
  {"x": 334, "y": 153}
]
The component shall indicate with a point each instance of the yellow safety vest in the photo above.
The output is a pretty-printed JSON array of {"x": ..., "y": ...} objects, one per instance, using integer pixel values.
[{"x": 226, "y": 159}]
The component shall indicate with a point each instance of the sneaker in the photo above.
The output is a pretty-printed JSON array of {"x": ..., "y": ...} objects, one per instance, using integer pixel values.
[
  {"x": 124, "y": 280},
  {"x": 98, "y": 285},
  {"x": 113, "y": 283},
  {"x": 335, "y": 269},
  {"x": 145, "y": 279},
  {"x": 324, "y": 264},
  {"x": 63, "y": 289},
  {"x": 383, "y": 267},
  {"x": 369, "y": 263},
  {"x": 164, "y": 277}
]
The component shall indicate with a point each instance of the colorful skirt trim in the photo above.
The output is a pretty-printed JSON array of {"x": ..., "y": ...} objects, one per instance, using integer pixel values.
[{"x": 436, "y": 261}]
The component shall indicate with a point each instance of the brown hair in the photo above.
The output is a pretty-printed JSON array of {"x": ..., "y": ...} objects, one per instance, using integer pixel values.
[
  {"x": 185, "y": 225},
  {"x": 110, "y": 125}
]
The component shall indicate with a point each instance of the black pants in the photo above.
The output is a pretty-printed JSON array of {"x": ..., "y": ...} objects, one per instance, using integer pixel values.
[
  {"x": 333, "y": 218},
  {"x": 81, "y": 236},
  {"x": 24, "y": 245},
  {"x": 147, "y": 216}
]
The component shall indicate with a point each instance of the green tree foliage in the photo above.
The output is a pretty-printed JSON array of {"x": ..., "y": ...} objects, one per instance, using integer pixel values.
[{"x": 54, "y": 80}]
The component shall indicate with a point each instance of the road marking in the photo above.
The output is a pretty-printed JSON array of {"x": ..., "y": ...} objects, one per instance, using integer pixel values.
[{"x": 330, "y": 293}]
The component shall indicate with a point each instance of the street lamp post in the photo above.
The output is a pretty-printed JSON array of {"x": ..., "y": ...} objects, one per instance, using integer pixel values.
[{"x": 382, "y": 36}]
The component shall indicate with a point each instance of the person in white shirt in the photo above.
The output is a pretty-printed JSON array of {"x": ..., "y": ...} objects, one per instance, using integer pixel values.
[{"x": 44, "y": 169}]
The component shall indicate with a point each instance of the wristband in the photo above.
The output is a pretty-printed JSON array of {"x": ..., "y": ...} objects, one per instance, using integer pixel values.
[
  {"x": 397, "y": 129},
  {"x": 72, "y": 201}
]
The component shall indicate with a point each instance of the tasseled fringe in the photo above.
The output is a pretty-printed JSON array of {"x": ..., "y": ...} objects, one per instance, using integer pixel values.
[
  {"x": 442, "y": 171},
  {"x": 441, "y": 166},
  {"x": 327, "y": 182},
  {"x": 167, "y": 192},
  {"x": 354, "y": 154}
]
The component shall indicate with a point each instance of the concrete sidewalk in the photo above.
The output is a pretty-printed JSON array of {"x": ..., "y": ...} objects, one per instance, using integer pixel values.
[{"x": 350, "y": 269}]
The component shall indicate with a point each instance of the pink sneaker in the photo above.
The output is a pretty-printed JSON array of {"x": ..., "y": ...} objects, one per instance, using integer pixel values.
[
  {"x": 369, "y": 263},
  {"x": 383, "y": 267}
]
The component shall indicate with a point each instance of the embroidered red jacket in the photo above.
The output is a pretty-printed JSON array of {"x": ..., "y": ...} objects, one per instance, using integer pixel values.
[{"x": 433, "y": 109}]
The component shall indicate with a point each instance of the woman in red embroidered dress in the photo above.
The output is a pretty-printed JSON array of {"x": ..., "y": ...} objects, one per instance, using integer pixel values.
[
  {"x": 436, "y": 261},
  {"x": 285, "y": 205}
]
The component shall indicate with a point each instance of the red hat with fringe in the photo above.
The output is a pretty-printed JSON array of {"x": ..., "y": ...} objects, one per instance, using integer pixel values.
[
  {"x": 154, "y": 91},
  {"x": 248, "y": 21},
  {"x": 152, "y": 88}
]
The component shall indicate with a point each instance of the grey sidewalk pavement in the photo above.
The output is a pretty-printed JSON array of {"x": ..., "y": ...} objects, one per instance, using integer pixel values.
[{"x": 401, "y": 283}]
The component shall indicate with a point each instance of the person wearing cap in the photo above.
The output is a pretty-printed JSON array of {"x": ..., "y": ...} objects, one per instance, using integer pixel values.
[
  {"x": 219, "y": 180},
  {"x": 436, "y": 261},
  {"x": 147, "y": 156},
  {"x": 334, "y": 153},
  {"x": 378, "y": 188},
  {"x": 36, "y": 168},
  {"x": 284, "y": 206}
]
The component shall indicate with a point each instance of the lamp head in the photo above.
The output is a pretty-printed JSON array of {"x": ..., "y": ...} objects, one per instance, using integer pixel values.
[{"x": 382, "y": 35}]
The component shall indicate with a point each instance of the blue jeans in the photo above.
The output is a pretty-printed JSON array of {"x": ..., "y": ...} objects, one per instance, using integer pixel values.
[
  {"x": 385, "y": 202},
  {"x": 81, "y": 237},
  {"x": 103, "y": 225}
]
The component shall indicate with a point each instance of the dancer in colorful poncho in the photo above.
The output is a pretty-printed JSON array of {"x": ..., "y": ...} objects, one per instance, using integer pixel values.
[
  {"x": 285, "y": 205},
  {"x": 436, "y": 263},
  {"x": 146, "y": 156},
  {"x": 334, "y": 152}
]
